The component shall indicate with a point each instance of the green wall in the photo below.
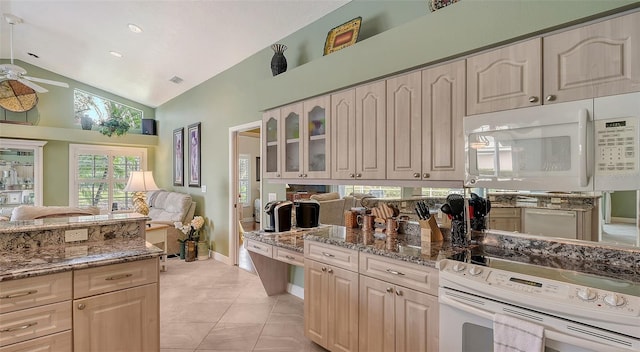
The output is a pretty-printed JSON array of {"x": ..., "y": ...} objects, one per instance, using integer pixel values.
[
  {"x": 409, "y": 36},
  {"x": 624, "y": 204}
]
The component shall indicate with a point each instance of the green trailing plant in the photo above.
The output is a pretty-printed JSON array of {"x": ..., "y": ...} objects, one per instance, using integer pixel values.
[{"x": 116, "y": 123}]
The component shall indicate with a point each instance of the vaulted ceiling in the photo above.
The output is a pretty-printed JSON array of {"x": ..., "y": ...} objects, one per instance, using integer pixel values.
[{"x": 193, "y": 40}]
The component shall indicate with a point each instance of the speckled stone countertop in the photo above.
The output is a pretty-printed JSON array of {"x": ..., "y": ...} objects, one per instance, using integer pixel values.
[
  {"x": 561, "y": 201},
  {"x": 291, "y": 240},
  {"x": 37, "y": 247}
]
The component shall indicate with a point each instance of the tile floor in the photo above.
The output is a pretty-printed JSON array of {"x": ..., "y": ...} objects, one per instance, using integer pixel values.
[{"x": 210, "y": 306}]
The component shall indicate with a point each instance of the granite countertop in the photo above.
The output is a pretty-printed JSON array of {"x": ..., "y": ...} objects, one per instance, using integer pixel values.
[
  {"x": 27, "y": 262},
  {"x": 7, "y": 227}
]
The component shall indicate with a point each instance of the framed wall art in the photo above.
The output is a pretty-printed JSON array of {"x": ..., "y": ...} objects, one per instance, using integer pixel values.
[
  {"x": 193, "y": 135},
  {"x": 342, "y": 36},
  {"x": 178, "y": 157}
]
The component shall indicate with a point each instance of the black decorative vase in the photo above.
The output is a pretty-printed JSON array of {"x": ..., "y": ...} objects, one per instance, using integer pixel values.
[{"x": 278, "y": 61}]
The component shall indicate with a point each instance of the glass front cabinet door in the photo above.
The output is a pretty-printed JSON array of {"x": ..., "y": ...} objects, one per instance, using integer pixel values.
[
  {"x": 293, "y": 137},
  {"x": 316, "y": 149},
  {"x": 271, "y": 145},
  {"x": 20, "y": 173}
]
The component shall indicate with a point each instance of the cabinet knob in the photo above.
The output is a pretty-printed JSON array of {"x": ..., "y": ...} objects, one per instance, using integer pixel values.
[
  {"x": 358, "y": 175},
  {"x": 533, "y": 99},
  {"x": 330, "y": 271},
  {"x": 352, "y": 175},
  {"x": 398, "y": 293},
  {"x": 390, "y": 289},
  {"x": 426, "y": 175},
  {"x": 304, "y": 175},
  {"x": 416, "y": 174},
  {"x": 299, "y": 175},
  {"x": 82, "y": 306},
  {"x": 551, "y": 97},
  {"x": 277, "y": 175},
  {"x": 324, "y": 269}
]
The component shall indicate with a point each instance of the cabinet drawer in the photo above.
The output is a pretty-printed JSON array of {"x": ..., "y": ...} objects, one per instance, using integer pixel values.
[
  {"x": 89, "y": 282},
  {"x": 60, "y": 342},
  {"x": 334, "y": 255},
  {"x": 287, "y": 256},
  {"x": 505, "y": 213},
  {"x": 417, "y": 277},
  {"x": 260, "y": 248},
  {"x": 34, "y": 291},
  {"x": 35, "y": 322}
]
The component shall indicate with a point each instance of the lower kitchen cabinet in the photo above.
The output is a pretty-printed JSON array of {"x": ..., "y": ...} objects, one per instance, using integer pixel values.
[
  {"x": 331, "y": 306},
  {"x": 395, "y": 318},
  {"x": 505, "y": 219}
]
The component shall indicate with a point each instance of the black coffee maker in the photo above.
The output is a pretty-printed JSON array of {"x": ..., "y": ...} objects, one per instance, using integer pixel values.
[
  {"x": 307, "y": 213},
  {"x": 278, "y": 216}
]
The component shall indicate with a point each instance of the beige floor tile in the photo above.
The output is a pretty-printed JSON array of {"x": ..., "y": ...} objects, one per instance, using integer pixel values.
[
  {"x": 175, "y": 350},
  {"x": 247, "y": 313},
  {"x": 183, "y": 335},
  {"x": 232, "y": 336}
]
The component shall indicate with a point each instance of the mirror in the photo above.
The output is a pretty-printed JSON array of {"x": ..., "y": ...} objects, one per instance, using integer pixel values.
[{"x": 607, "y": 217}]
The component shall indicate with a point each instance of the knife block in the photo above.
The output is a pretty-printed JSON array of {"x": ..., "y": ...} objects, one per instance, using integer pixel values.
[{"x": 429, "y": 231}]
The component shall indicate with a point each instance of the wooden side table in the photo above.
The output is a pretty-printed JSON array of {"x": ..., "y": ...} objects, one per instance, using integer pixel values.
[{"x": 156, "y": 234}]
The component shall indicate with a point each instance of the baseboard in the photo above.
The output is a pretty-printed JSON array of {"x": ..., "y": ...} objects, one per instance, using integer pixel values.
[
  {"x": 623, "y": 220},
  {"x": 295, "y": 290},
  {"x": 221, "y": 258}
]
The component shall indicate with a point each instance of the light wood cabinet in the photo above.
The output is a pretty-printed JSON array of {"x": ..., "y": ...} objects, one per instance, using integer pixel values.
[
  {"x": 331, "y": 306},
  {"x": 592, "y": 61},
  {"x": 506, "y": 78},
  {"x": 292, "y": 140},
  {"x": 271, "y": 145},
  {"x": 395, "y": 318},
  {"x": 505, "y": 219},
  {"x": 359, "y": 132},
  {"x": 116, "y": 308},
  {"x": 404, "y": 130},
  {"x": 443, "y": 109}
]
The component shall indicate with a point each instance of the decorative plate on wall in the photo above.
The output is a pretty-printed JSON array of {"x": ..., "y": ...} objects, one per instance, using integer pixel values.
[
  {"x": 16, "y": 97},
  {"x": 342, "y": 36}
]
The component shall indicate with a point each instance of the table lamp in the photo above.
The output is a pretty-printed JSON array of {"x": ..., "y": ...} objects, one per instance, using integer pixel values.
[{"x": 140, "y": 182}]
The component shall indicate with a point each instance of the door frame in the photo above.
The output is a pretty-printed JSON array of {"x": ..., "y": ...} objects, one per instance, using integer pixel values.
[{"x": 234, "y": 132}]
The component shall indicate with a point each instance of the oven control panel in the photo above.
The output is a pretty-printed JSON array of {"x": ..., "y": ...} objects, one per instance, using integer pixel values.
[{"x": 477, "y": 276}]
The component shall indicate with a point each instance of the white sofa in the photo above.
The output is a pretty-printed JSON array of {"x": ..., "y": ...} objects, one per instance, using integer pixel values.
[
  {"x": 167, "y": 208},
  {"x": 332, "y": 207}
]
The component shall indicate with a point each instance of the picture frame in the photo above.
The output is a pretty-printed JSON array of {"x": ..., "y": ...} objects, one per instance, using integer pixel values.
[
  {"x": 342, "y": 36},
  {"x": 178, "y": 157},
  {"x": 257, "y": 169},
  {"x": 193, "y": 135}
]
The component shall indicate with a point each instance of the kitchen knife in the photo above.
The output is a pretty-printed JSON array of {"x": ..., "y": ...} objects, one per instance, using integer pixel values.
[
  {"x": 419, "y": 213},
  {"x": 424, "y": 209}
]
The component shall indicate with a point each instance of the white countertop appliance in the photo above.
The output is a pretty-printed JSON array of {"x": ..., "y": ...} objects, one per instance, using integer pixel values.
[
  {"x": 583, "y": 145},
  {"x": 578, "y": 312}
]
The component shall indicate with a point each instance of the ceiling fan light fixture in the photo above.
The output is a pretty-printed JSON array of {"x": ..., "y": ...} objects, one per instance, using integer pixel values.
[
  {"x": 134, "y": 28},
  {"x": 115, "y": 53}
]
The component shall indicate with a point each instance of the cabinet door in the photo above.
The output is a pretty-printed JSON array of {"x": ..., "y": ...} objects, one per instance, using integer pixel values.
[
  {"x": 342, "y": 318},
  {"x": 416, "y": 321},
  {"x": 24, "y": 182},
  {"x": 377, "y": 320},
  {"x": 370, "y": 109},
  {"x": 315, "y": 302},
  {"x": 593, "y": 61},
  {"x": 443, "y": 106},
  {"x": 343, "y": 135},
  {"x": 505, "y": 78},
  {"x": 126, "y": 320},
  {"x": 271, "y": 144},
  {"x": 317, "y": 143},
  {"x": 292, "y": 139},
  {"x": 404, "y": 133}
]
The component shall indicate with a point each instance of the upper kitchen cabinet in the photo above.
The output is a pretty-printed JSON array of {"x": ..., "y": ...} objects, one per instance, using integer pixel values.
[
  {"x": 404, "y": 131},
  {"x": 443, "y": 102},
  {"x": 505, "y": 78},
  {"x": 306, "y": 139},
  {"x": 593, "y": 61},
  {"x": 271, "y": 145},
  {"x": 21, "y": 172},
  {"x": 358, "y": 130}
]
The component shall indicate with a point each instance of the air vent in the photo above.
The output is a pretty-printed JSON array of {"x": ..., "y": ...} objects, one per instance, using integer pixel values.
[{"x": 176, "y": 80}]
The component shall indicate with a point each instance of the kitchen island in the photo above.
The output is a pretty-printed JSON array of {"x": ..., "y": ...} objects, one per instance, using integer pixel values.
[{"x": 98, "y": 293}]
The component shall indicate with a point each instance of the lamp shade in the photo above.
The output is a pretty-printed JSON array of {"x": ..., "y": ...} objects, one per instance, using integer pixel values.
[{"x": 141, "y": 181}]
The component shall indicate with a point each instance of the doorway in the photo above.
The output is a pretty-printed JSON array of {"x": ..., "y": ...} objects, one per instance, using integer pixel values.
[
  {"x": 620, "y": 218},
  {"x": 245, "y": 188}
]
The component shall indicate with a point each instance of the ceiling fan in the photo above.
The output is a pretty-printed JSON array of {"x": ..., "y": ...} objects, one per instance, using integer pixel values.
[{"x": 15, "y": 72}]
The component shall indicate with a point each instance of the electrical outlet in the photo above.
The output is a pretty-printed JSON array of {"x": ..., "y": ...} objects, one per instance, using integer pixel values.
[
  {"x": 272, "y": 197},
  {"x": 76, "y": 235},
  {"x": 203, "y": 189}
]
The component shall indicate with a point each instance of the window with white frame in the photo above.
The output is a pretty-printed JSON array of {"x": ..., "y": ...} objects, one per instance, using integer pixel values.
[
  {"x": 388, "y": 192},
  {"x": 98, "y": 109},
  {"x": 98, "y": 175},
  {"x": 244, "y": 179}
]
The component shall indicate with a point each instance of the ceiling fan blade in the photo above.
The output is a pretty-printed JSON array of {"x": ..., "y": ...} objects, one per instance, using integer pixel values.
[
  {"x": 47, "y": 81},
  {"x": 32, "y": 85}
]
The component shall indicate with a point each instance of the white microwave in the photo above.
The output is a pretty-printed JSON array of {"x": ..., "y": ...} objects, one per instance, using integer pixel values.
[{"x": 583, "y": 145}]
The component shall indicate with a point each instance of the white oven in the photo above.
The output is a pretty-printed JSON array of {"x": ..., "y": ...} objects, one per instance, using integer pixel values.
[{"x": 575, "y": 318}]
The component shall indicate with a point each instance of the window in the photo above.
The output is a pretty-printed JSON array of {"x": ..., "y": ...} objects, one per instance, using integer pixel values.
[
  {"x": 244, "y": 182},
  {"x": 440, "y": 192},
  {"x": 99, "y": 109},
  {"x": 98, "y": 175},
  {"x": 377, "y": 191}
]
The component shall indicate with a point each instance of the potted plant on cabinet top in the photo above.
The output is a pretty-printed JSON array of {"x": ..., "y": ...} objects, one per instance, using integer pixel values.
[{"x": 116, "y": 123}]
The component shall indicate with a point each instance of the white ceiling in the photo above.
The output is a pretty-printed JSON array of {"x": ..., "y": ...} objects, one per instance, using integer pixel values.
[{"x": 194, "y": 40}]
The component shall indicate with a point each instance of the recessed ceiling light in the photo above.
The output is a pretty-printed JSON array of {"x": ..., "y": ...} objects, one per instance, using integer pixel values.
[
  {"x": 115, "y": 53},
  {"x": 134, "y": 28}
]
